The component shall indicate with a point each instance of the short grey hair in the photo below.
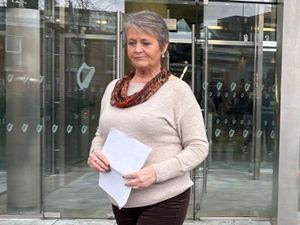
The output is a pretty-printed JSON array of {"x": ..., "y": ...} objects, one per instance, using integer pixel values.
[{"x": 150, "y": 23}]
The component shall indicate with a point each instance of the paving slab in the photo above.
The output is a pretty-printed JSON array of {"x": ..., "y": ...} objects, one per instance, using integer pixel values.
[
  {"x": 251, "y": 222},
  {"x": 26, "y": 222},
  {"x": 210, "y": 222},
  {"x": 85, "y": 222}
]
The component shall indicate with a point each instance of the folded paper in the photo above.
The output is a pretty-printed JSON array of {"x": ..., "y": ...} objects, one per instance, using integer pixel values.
[{"x": 125, "y": 155}]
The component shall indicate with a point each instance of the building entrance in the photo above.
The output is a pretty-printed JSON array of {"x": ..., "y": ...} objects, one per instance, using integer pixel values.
[{"x": 225, "y": 51}]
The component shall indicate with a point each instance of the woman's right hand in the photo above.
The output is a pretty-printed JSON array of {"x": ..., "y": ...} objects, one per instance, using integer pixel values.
[{"x": 98, "y": 161}]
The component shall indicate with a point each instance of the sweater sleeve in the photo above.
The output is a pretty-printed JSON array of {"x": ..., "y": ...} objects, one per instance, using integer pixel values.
[
  {"x": 191, "y": 130},
  {"x": 98, "y": 140}
]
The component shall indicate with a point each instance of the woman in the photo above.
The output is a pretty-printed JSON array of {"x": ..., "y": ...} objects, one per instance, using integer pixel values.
[{"x": 158, "y": 109}]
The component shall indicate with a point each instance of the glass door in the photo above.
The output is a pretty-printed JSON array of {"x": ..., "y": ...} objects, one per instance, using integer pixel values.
[
  {"x": 82, "y": 60},
  {"x": 236, "y": 48}
]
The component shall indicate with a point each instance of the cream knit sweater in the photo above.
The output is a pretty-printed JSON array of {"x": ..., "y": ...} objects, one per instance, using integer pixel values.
[{"x": 171, "y": 123}]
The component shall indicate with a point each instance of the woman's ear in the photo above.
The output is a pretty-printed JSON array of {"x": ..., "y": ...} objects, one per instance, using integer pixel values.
[{"x": 165, "y": 48}]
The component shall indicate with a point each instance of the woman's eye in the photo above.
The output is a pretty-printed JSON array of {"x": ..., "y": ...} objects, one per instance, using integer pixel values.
[
  {"x": 131, "y": 43},
  {"x": 146, "y": 43}
]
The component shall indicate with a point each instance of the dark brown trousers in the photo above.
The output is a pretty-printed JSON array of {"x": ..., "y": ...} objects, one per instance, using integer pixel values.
[{"x": 169, "y": 212}]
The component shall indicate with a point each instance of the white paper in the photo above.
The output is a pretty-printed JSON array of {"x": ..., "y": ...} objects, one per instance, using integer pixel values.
[
  {"x": 114, "y": 185},
  {"x": 125, "y": 155}
]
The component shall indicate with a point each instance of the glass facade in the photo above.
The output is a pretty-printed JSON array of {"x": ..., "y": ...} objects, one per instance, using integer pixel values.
[{"x": 57, "y": 58}]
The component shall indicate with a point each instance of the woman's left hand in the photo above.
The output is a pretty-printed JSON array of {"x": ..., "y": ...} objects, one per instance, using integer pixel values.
[{"x": 141, "y": 179}]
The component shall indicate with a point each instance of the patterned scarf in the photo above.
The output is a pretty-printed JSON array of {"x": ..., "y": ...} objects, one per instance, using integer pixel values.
[{"x": 119, "y": 96}]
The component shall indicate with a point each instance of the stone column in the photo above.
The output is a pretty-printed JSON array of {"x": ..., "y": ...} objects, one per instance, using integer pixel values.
[
  {"x": 289, "y": 70},
  {"x": 23, "y": 109}
]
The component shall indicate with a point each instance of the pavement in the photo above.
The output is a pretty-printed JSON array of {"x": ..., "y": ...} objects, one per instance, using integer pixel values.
[{"x": 209, "y": 221}]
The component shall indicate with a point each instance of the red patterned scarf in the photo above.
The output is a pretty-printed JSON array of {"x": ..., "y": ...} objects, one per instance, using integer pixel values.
[{"x": 119, "y": 96}]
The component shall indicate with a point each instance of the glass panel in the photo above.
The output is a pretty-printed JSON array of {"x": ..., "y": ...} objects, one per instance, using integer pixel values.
[
  {"x": 240, "y": 106},
  {"x": 3, "y": 183},
  {"x": 238, "y": 21},
  {"x": 230, "y": 21},
  {"x": 180, "y": 60},
  {"x": 81, "y": 58},
  {"x": 51, "y": 82}
]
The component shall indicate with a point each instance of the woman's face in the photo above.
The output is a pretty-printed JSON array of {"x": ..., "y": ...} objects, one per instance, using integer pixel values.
[{"x": 143, "y": 50}]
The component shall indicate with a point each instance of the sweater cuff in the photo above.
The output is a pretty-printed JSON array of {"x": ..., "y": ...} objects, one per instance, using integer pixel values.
[{"x": 166, "y": 170}]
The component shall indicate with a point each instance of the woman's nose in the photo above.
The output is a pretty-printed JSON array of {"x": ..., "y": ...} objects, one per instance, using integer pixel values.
[{"x": 138, "y": 47}]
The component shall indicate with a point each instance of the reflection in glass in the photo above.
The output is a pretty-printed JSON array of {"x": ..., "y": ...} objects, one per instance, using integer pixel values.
[
  {"x": 70, "y": 105},
  {"x": 73, "y": 114},
  {"x": 234, "y": 21},
  {"x": 242, "y": 144}
]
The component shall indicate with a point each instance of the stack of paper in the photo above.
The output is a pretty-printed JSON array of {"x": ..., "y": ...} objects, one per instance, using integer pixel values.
[{"x": 125, "y": 155}]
